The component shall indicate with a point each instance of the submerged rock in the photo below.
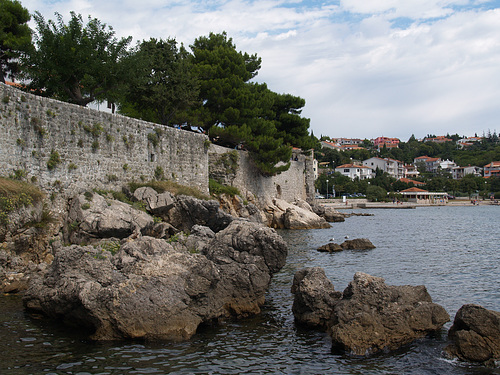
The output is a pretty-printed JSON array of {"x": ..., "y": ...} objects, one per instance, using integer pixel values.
[
  {"x": 152, "y": 289},
  {"x": 330, "y": 248},
  {"x": 370, "y": 316},
  {"x": 476, "y": 335}
]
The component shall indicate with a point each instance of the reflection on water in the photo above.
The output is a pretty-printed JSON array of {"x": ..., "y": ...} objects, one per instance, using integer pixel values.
[{"x": 452, "y": 250}]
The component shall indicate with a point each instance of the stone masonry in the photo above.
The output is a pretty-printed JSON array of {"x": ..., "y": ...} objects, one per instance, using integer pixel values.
[{"x": 96, "y": 149}]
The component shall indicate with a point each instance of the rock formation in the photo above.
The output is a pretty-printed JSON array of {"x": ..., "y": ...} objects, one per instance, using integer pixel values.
[
  {"x": 370, "y": 316},
  {"x": 152, "y": 289},
  {"x": 294, "y": 216},
  {"x": 330, "y": 247},
  {"x": 357, "y": 244},
  {"x": 476, "y": 335},
  {"x": 315, "y": 298}
]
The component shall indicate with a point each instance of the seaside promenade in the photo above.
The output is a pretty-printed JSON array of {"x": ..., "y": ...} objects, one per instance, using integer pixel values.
[{"x": 338, "y": 204}]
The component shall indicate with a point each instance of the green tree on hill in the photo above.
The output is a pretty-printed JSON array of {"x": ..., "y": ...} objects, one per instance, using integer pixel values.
[
  {"x": 75, "y": 62},
  {"x": 15, "y": 36}
]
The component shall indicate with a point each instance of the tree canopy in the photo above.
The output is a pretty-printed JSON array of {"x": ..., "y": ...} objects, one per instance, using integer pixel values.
[
  {"x": 75, "y": 62},
  {"x": 162, "y": 83},
  {"x": 15, "y": 36}
]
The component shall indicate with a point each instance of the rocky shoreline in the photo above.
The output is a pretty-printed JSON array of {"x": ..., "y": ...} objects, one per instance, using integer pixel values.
[{"x": 161, "y": 266}]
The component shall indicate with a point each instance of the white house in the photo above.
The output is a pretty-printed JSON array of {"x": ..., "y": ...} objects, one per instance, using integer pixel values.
[
  {"x": 393, "y": 167},
  {"x": 447, "y": 165},
  {"x": 352, "y": 171},
  {"x": 460, "y": 172}
]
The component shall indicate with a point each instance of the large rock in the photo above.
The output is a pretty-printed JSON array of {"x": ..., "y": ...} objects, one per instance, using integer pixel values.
[
  {"x": 373, "y": 316},
  {"x": 290, "y": 216},
  {"x": 156, "y": 203},
  {"x": 314, "y": 298},
  {"x": 476, "y": 335},
  {"x": 188, "y": 211},
  {"x": 357, "y": 244},
  {"x": 92, "y": 217},
  {"x": 237, "y": 207},
  {"x": 330, "y": 247},
  {"x": 152, "y": 289},
  {"x": 370, "y": 316}
]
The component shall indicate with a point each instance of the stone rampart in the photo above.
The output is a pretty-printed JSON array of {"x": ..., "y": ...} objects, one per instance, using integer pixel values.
[
  {"x": 68, "y": 149},
  {"x": 295, "y": 183}
]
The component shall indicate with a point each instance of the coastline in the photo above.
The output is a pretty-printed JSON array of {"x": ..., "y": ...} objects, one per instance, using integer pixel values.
[{"x": 337, "y": 204}]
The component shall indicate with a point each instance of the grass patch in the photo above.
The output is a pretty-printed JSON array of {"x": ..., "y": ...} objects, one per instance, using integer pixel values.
[
  {"x": 217, "y": 188},
  {"x": 170, "y": 186},
  {"x": 16, "y": 194}
]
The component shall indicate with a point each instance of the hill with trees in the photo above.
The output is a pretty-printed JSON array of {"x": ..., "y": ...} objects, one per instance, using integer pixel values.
[{"x": 478, "y": 154}]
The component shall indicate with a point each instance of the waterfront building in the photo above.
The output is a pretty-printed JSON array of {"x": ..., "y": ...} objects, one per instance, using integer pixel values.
[
  {"x": 354, "y": 171},
  {"x": 492, "y": 169}
]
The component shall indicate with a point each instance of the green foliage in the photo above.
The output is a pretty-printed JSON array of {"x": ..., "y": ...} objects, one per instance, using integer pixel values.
[
  {"x": 85, "y": 206},
  {"x": 95, "y": 145},
  {"x": 153, "y": 138},
  {"x": 376, "y": 193},
  {"x": 238, "y": 113},
  {"x": 46, "y": 219},
  {"x": 54, "y": 160},
  {"x": 15, "y": 37},
  {"x": 15, "y": 194},
  {"x": 72, "y": 166},
  {"x": 162, "y": 83},
  {"x": 89, "y": 196},
  {"x": 125, "y": 167},
  {"x": 217, "y": 188},
  {"x": 112, "y": 246},
  {"x": 75, "y": 62},
  {"x": 6, "y": 99},
  {"x": 21, "y": 142},
  {"x": 230, "y": 162},
  {"x": 159, "y": 175},
  {"x": 94, "y": 130},
  {"x": 19, "y": 174}
]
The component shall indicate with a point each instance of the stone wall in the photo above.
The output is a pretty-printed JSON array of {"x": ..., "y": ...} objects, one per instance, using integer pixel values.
[
  {"x": 96, "y": 149},
  {"x": 295, "y": 183}
]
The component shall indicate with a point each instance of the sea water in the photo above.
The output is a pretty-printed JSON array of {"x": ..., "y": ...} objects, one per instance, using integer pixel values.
[{"x": 453, "y": 251}]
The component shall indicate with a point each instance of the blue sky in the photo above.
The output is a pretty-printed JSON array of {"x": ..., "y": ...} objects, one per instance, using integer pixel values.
[{"x": 366, "y": 68}]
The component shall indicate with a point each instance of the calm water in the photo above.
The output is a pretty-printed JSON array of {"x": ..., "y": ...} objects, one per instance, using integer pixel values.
[{"x": 454, "y": 251}]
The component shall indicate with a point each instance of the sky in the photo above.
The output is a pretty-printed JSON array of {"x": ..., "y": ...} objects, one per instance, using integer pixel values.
[{"x": 366, "y": 68}]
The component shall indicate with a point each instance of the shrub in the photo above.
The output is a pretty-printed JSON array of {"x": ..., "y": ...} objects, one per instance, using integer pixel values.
[
  {"x": 16, "y": 194},
  {"x": 95, "y": 130},
  {"x": 159, "y": 173},
  {"x": 217, "y": 188},
  {"x": 154, "y": 139},
  {"x": 54, "y": 160},
  {"x": 376, "y": 193}
]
